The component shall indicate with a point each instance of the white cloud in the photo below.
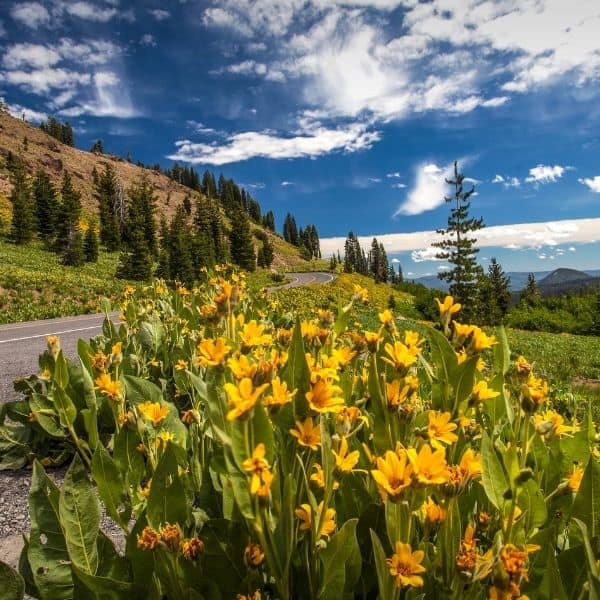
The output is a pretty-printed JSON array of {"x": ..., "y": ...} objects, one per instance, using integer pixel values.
[
  {"x": 311, "y": 141},
  {"x": 90, "y": 12},
  {"x": 159, "y": 14},
  {"x": 32, "y": 14},
  {"x": 374, "y": 179},
  {"x": 18, "y": 111},
  {"x": 148, "y": 40},
  {"x": 41, "y": 81},
  {"x": 394, "y": 175},
  {"x": 592, "y": 182},
  {"x": 545, "y": 174},
  {"x": 520, "y": 235},
  {"x": 498, "y": 179},
  {"x": 424, "y": 255},
  {"x": 286, "y": 183},
  {"x": 507, "y": 182},
  {"x": 428, "y": 191},
  {"x": 247, "y": 67},
  {"x": 35, "y": 56},
  {"x": 399, "y": 186}
]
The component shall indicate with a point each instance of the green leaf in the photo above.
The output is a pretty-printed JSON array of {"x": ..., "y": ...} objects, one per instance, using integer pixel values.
[
  {"x": 61, "y": 371},
  {"x": 141, "y": 390},
  {"x": 449, "y": 538},
  {"x": 384, "y": 579},
  {"x": 167, "y": 502},
  {"x": 80, "y": 517},
  {"x": 445, "y": 362},
  {"x": 586, "y": 506},
  {"x": 341, "y": 563},
  {"x": 381, "y": 434},
  {"x": 89, "y": 414},
  {"x": 127, "y": 458},
  {"x": 111, "y": 486},
  {"x": 47, "y": 552},
  {"x": 592, "y": 565},
  {"x": 531, "y": 502},
  {"x": 93, "y": 587},
  {"x": 151, "y": 335},
  {"x": 67, "y": 413},
  {"x": 46, "y": 415},
  {"x": 462, "y": 381},
  {"x": 296, "y": 372},
  {"x": 501, "y": 352},
  {"x": 494, "y": 479},
  {"x": 12, "y": 586}
]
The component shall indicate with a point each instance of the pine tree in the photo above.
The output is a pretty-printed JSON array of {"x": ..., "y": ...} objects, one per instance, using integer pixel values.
[
  {"x": 269, "y": 221},
  {"x": 266, "y": 252},
  {"x": 67, "y": 222},
  {"x": 74, "y": 254},
  {"x": 181, "y": 263},
  {"x": 204, "y": 244},
  {"x": 23, "y": 217},
  {"x": 97, "y": 147},
  {"x": 400, "y": 275},
  {"x": 531, "y": 293},
  {"x": 458, "y": 245},
  {"x": 90, "y": 245},
  {"x": 241, "y": 243},
  {"x": 209, "y": 187},
  {"x": 290, "y": 230},
  {"x": 500, "y": 288},
  {"x": 108, "y": 195}
]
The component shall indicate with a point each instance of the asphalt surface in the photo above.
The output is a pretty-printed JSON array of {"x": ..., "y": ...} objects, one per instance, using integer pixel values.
[{"x": 22, "y": 343}]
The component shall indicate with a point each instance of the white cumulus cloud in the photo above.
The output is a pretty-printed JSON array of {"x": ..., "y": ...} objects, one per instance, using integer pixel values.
[
  {"x": 545, "y": 174},
  {"x": 429, "y": 189},
  {"x": 31, "y": 14},
  {"x": 591, "y": 182}
]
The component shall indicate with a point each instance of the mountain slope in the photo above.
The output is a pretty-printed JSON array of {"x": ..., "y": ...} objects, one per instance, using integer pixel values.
[
  {"x": 40, "y": 150},
  {"x": 563, "y": 276}
]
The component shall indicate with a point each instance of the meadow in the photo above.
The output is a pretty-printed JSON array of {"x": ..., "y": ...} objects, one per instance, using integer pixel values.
[{"x": 249, "y": 453}]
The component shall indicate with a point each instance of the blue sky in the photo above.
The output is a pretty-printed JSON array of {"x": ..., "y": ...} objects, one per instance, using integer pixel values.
[{"x": 348, "y": 113}]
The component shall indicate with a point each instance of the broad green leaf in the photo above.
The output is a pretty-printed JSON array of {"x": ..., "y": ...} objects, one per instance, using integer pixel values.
[
  {"x": 93, "y": 587},
  {"x": 61, "y": 371},
  {"x": 80, "y": 517},
  {"x": 67, "y": 413},
  {"x": 501, "y": 352},
  {"x": 111, "y": 486},
  {"x": 167, "y": 502},
  {"x": 531, "y": 502},
  {"x": 89, "y": 414},
  {"x": 493, "y": 477},
  {"x": 151, "y": 335},
  {"x": 12, "y": 586},
  {"x": 46, "y": 415},
  {"x": 47, "y": 553},
  {"x": 445, "y": 362},
  {"x": 341, "y": 563},
  {"x": 384, "y": 579},
  {"x": 449, "y": 537},
  {"x": 381, "y": 434},
  {"x": 463, "y": 378},
  {"x": 586, "y": 506},
  {"x": 573, "y": 567},
  {"x": 296, "y": 372},
  {"x": 592, "y": 564},
  {"x": 127, "y": 458},
  {"x": 141, "y": 390}
]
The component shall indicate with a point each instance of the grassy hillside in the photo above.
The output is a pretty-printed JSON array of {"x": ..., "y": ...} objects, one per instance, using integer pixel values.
[{"x": 40, "y": 150}]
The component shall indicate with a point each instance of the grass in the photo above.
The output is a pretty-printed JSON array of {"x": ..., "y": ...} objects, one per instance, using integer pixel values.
[{"x": 34, "y": 285}]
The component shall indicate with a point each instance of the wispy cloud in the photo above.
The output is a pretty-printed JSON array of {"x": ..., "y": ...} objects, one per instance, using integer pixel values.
[
  {"x": 428, "y": 191},
  {"x": 591, "y": 182},
  {"x": 31, "y": 14},
  {"x": 313, "y": 140},
  {"x": 519, "y": 235},
  {"x": 159, "y": 14}
]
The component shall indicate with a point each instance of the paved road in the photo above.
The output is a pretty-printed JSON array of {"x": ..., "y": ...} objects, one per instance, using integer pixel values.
[{"x": 22, "y": 343}]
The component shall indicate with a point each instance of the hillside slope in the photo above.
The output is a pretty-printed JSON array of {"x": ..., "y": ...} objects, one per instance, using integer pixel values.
[{"x": 40, "y": 150}]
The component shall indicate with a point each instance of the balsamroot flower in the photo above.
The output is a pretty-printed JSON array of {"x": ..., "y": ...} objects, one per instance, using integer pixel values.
[
  {"x": 432, "y": 512},
  {"x": 191, "y": 549},
  {"x": 393, "y": 474},
  {"x": 430, "y": 467},
  {"x": 243, "y": 397},
  {"x": 155, "y": 412},
  {"x": 148, "y": 539},
  {"x": 448, "y": 307},
  {"x": 307, "y": 434},
  {"x": 212, "y": 353},
  {"x": 304, "y": 513},
  {"x": 400, "y": 356},
  {"x": 280, "y": 394},
  {"x": 345, "y": 461},
  {"x": 257, "y": 465},
  {"x": 552, "y": 424},
  {"x": 107, "y": 386},
  {"x": 323, "y": 397},
  {"x": 252, "y": 334},
  {"x": 440, "y": 429},
  {"x": 482, "y": 392},
  {"x": 574, "y": 478},
  {"x": 405, "y": 566}
]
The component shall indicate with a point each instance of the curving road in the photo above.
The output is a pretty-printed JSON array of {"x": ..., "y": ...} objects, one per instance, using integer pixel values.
[{"x": 22, "y": 343}]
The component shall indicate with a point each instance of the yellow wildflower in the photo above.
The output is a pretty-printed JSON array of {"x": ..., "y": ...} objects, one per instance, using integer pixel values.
[
  {"x": 304, "y": 513},
  {"x": 386, "y": 317},
  {"x": 342, "y": 356},
  {"x": 430, "y": 467},
  {"x": 433, "y": 512},
  {"x": 523, "y": 366},
  {"x": 448, "y": 307},
  {"x": 148, "y": 539},
  {"x": 470, "y": 464},
  {"x": 153, "y": 411},
  {"x": 181, "y": 365},
  {"x": 482, "y": 392},
  {"x": 242, "y": 367},
  {"x": 307, "y": 434},
  {"x": 400, "y": 356},
  {"x": 252, "y": 334},
  {"x": 481, "y": 341},
  {"x": 192, "y": 548},
  {"x": 242, "y": 397},
  {"x": 318, "y": 477},
  {"x": 324, "y": 397},
  {"x": 440, "y": 429},
  {"x": 345, "y": 461},
  {"x": 212, "y": 352},
  {"x": 280, "y": 394},
  {"x": 574, "y": 479},
  {"x": 107, "y": 386},
  {"x": 257, "y": 465},
  {"x": 393, "y": 474},
  {"x": 405, "y": 566},
  {"x": 360, "y": 293},
  {"x": 536, "y": 389},
  {"x": 552, "y": 424},
  {"x": 372, "y": 339}
]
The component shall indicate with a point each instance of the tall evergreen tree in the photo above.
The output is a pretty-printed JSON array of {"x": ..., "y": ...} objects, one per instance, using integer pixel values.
[
  {"x": 179, "y": 247},
  {"x": 269, "y": 221},
  {"x": 141, "y": 209},
  {"x": 90, "y": 245},
  {"x": 531, "y": 293},
  {"x": 23, "y": 216},
  {"x": 74, "y": 254},
  {"x": 209, "y": 187},
  {"x": 458, "y": 245},
  {"x": 241, "y": 242},
  {"x": 108, "y": 195},
  {"x": 67, "y": 242},
  {"x": 290, "y": 230},
  {"x": 494, "y": 295},
  {"x": 204, "y": 243}
]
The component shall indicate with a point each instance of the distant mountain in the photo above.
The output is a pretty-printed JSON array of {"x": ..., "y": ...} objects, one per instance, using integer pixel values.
[{"x": 563, "y": 279}]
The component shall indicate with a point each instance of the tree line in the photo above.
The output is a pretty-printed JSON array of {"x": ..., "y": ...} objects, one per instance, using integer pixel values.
[{"x": 63, "y": 132}]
